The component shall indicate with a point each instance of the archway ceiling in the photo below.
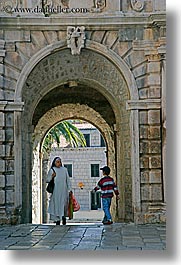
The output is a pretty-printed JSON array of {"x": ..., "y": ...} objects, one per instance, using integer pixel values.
[{"x": 79, "y": 94}]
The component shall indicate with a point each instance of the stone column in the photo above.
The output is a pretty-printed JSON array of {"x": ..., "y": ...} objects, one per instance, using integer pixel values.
[
  {"x": 10, "y": 176},
  {"x": 162, "y": 52},
  {"x": 2, "y": 165}
]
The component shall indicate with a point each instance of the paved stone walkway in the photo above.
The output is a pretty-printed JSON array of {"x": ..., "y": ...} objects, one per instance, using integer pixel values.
[{"x": 87, "y": 236}]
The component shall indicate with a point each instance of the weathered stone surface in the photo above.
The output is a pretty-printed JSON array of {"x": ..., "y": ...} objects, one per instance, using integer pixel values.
[
  {"x": 153, "y": 117},
  {"x": 121, "y": 61},
  {"x": 2, "y": 197}
]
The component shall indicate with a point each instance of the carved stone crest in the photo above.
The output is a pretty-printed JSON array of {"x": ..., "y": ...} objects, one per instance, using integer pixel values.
[
  {"x": 137, "y": 5},
  {"x": 98, "y": 5},
  {"x": 76, "y": 39}
]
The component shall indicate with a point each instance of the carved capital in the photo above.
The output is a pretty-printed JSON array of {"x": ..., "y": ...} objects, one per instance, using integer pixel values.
[
  {"x": 76, "y": 39},
  {"x": 154, "y": 57},
  {"x": 137, "y": 5}
]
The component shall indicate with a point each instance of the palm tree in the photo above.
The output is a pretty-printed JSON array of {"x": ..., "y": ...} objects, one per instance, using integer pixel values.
[{"x": 71, "y": 133}]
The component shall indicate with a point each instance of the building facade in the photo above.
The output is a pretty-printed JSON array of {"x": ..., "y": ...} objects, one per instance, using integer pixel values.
[
  {"x": 101, "y": 61},
  {"x": 84, "y": 165}
]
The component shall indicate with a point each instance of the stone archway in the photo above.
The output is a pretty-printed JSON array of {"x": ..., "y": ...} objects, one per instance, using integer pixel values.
[
  {"x": 53, "y": 116},
  {"x": 97, "y": 70}
]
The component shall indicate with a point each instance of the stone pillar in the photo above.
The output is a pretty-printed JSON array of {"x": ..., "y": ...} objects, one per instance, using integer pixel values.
[
  {"x": 2, "y": 165},
  {"x": 162, "y": 52},
  {"x": 145, "y": 158},
  {"x": 10, "y": 192}
]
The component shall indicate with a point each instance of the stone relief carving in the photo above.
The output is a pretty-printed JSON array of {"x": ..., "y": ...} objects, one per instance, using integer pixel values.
[
  {"x": 98, "y": 5},
  {"x": 65, "y": 3},
  {"x": 75, "y": 39},
  {"x": 137, "y": 5}
]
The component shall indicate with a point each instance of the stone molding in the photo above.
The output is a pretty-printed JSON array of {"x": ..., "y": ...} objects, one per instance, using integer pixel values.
[
  {"x": 112, "y": 21},
  {"x": 11, "y": 106},
  {"x": 143, "y": 104}
]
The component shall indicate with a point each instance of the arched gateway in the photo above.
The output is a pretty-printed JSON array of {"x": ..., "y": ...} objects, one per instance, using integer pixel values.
[
  {"x": 106, "y": 67},
  {"x": 91, "y": 86}
]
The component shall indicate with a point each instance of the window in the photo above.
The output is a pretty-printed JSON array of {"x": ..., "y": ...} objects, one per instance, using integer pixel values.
[
  {"x": 94, "y": 170},
  {"x": 87, "y": 139},
  {"x": 69, "y": 168},
  {"x": 102, "y": 141}
]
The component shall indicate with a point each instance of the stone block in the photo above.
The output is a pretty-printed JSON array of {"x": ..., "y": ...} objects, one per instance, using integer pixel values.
[
  {"x": 154, "y": 132},
  {"x": 1, "y": 119},
  {"x": 160, "y": 5},
  {"x": 10, "y": 47},
  {"x": 2, "y": 197},
  {"x": 10, "y": 165},
  {"x": 143, "y": 93},
  {"x": 10, "y": 181},
  {"x": 98, "y": 36},
  {"x": 2, "y": 150},
  {"x": 130, "y": 34},
  {"x": 143, "y": 117},
  {"x": 62, "y": 35},
  {"x": 145, "y": 192},
  {"x": 51, "y": 36},
  {"x": 155, "y": 162},
  {"x": 156, "y": 192},
  {"x": 153, "y": 67},
  {"x": 1, "y": 69},
  {"x": 155, "y": 176},
  {"x": 143, "y": 132},
  {"x": 144, "y": 147},
  {"x": 9, "y": 134},
  {"x": 153, "y": 116},
  {"x": 144, "y": 162},
  {"x": 9, "y": 196},
  {"x": 153, "y": 79},
  {"x": 2, "y": 165},
  {"x": 145, "y": 177},
  {"x": 110, "y": 38},
  {"x": 155, "y": 147},
  {"x": 154, "y": 92},
  {"x": 38, "y": 39},
  {"x": 11, "y": 73},
  {"x": 9, "y": 117},
  {"x": 17, "y": 35},
  {"x": 2, "y": 181}
]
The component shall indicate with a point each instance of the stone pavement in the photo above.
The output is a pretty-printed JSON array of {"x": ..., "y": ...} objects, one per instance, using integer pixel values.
[{"x": 83, "y": 236}]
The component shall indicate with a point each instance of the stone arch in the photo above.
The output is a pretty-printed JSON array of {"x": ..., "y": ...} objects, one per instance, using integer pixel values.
[
  {"x": 53, "y": 116},
  {"x": 96, "y": 67},
  {"x": 92, "y": 45}
]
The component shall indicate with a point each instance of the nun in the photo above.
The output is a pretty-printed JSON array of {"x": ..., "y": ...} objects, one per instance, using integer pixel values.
[{"x": 59, "y": 199}]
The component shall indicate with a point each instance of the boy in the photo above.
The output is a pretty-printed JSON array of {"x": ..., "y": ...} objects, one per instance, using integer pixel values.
[{"x": 107, "y": 186}]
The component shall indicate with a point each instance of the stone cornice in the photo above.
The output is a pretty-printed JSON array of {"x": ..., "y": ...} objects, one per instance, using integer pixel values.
[
  {"x": 11, "y": 106},
  {"x": 145, "y": 104},
  {"x": 98, "y": 22}
]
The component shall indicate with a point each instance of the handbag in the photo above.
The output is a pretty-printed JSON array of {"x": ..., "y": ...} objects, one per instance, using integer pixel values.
[
  {"x": 73, "y": 206},
  {"x": 51, "y": 184},
  {"x": 76, "y": 205}
]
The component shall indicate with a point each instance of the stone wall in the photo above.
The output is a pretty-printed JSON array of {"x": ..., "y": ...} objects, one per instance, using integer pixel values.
[{"x": 120, "y": 73}]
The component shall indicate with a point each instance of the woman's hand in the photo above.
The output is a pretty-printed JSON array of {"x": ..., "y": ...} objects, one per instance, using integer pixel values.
[{"x": 53, "y": 175}]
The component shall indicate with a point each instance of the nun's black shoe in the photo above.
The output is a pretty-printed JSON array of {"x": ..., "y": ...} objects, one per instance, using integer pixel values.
[
  {"x": 57, "y": 222},
  {"x": 64, "y": 220}
]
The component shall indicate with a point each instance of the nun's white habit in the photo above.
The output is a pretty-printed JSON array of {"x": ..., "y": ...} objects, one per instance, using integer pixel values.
[{"x": 58, "y": 203}]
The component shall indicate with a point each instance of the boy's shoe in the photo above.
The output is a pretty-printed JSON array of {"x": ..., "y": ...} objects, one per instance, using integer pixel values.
[
  {"x": 57, "y": 222},
  {"x": 108, "y": 222}
]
